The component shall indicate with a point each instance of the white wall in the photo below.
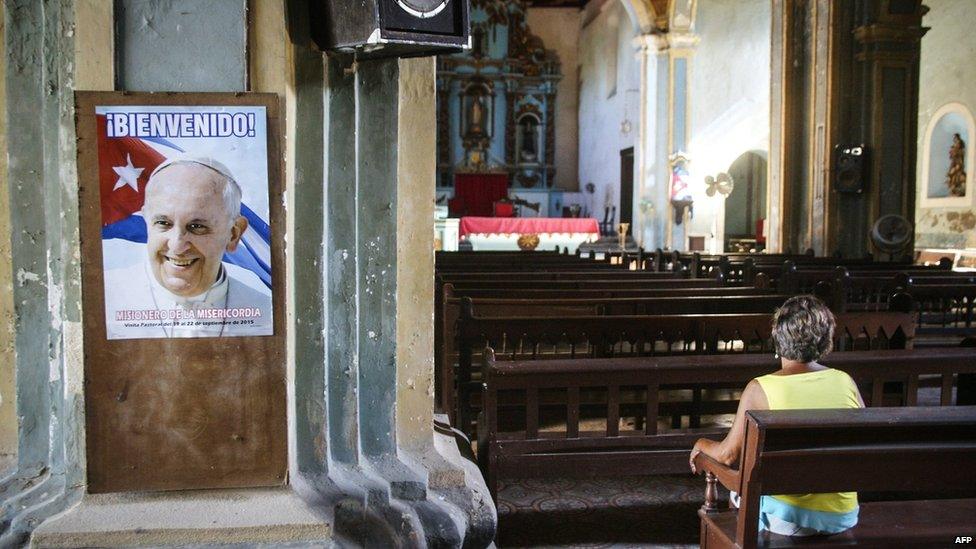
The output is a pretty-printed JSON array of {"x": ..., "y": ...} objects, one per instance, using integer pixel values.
[
  {"x": 609, "y": 93},
  {"x": 947, "y": 74},
  {"x": 729, "y": 99},
  {"x": 559, "y": 29}
]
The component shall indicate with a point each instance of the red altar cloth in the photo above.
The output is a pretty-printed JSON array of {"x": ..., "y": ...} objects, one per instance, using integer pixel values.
[{"x": 527, "y": 225}]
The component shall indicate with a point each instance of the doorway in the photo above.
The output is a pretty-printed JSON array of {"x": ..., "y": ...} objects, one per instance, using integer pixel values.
[
  {"x": 746, "y": 204},
  {"x": 626, "y": 185}
]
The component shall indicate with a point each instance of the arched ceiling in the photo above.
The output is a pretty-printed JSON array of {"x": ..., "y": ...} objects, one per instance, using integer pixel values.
[
  {"x": 660, "y": 10},
  {"x": 662, "y": 16}
]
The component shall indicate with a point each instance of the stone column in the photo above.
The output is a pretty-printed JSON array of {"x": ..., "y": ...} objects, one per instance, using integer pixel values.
[
  {"x": 682, "y": 42},
  {"x": 365, "y": 464},
  {"x": 842, "y": 73},
  {"x": 42, "y": 184},
  {"x": 364, "y": 362},
  {"x": 651, "y": 188},
  {"x": 887, "y": 48},
  {"x": 801, "y": 60}
]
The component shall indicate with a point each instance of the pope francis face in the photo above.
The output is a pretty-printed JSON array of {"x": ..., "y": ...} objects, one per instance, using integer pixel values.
[{"x": 189, "y": 227}]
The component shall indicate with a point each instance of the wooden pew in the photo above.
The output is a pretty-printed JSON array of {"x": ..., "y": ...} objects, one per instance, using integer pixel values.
[
  {"x": 583, "y": 286},
  {"x": 928, "y": 450},
  {"x": 614, "y": 274},
  {"x": 589, "y": 283},
  {"x": 944, "y": 312},
  {"x": 653, "y": 291},
  {"x": 531, "y": 260},
  {"x": 531, "y": 449},
  {"x": 450, "y": 312},
  {"x": 862, "y": 290},
  {"x": 517, "y": 338}
]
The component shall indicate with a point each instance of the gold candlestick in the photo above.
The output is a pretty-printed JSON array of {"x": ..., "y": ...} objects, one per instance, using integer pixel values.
[{"x": 622, "y": 234}]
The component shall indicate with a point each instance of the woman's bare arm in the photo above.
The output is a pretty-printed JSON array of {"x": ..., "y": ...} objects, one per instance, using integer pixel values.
[{"x": 727, "y": 451}]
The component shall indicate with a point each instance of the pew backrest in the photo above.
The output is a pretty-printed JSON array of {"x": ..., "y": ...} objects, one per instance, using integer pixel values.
[
  {"x": 514, "y": 338},
  {"x": 531, "y": 391}
]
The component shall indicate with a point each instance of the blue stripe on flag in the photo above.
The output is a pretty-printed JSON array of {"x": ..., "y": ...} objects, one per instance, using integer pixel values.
[
  {"x": 242, "y": 257},
  {"x": 132, "y": 228},
  {"x": 255, "y": 223}
]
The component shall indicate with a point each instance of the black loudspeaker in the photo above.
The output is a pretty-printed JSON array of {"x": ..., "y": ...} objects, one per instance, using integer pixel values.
[
  {"x": 390, "y": 28},
  {"x": 850, "y": 162}
]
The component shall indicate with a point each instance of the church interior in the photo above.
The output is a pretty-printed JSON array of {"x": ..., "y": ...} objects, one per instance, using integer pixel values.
[
  {"x": 686, "y": 121},
  {"x": 515, "y": 263}
]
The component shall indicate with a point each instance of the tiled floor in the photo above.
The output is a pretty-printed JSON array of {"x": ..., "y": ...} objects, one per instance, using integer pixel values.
[
  {"x": 626, "y": 511},
  {"x": 618, "y": 512}
]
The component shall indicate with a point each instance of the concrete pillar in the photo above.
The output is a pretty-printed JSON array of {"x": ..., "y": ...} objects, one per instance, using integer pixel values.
[
  {"x": 888, "y": 40},
  {"x": 803, "y": 56},
  {"x": 682, "y": 42},
  {"x": 379, "y": 290},
  {"x": 42, "y": 186},
  {"x": 651, "y": 166},
  {"x": 365, "y": 464},
  {"x": 843, "y": 73},
  {"x": 8, "y": 393}
]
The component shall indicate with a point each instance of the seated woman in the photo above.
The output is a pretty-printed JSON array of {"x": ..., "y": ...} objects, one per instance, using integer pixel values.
[{"x": 802, "y": 333}]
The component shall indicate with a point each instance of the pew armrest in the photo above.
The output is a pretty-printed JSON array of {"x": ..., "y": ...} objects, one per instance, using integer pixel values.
[{"x": 728, "y": 476}]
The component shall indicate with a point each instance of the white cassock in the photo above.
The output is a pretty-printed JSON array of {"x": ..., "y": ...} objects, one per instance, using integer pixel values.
[{"x": 137, "y": 306}]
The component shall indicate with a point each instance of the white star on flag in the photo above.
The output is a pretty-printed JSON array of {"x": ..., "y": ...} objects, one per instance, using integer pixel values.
[{"x": 128, "y": 175}]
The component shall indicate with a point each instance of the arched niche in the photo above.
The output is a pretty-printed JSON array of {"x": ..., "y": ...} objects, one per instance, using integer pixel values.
[
  {"x": 477, "y": 107},
  {"x": 528, "y": 139},
  {"x": 948, "y": 155}
]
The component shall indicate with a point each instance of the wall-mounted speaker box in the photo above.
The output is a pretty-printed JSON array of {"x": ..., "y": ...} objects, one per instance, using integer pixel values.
[
  {"x": 390, "y": 28},
  {"x": 850, "y": 165}
]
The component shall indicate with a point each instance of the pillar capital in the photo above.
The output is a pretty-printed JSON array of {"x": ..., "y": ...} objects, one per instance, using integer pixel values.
[
  {"x": 650, "y": 43},
  {"x": 664, "y": 42},
  {"x": 683, "y": 40}
]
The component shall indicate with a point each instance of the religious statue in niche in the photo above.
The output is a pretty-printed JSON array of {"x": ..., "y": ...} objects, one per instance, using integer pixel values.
[
  {"x": 477, "y": 112},
  {"x": 528, "y": 139},
  {"x": 476, "y": 123},
  {"x": 956, "y": 176}
]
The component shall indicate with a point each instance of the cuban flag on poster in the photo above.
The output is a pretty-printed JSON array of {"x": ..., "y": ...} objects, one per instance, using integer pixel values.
[{"x": 152, "y": 135}]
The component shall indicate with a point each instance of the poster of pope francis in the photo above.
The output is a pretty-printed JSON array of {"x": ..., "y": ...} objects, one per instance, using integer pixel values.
[{"x": 185, "y": 229}]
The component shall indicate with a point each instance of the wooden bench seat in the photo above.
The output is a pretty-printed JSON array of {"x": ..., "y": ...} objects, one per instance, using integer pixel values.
[
  {"x": 880, "y": 450},
  {"x": 655, "y": 291},
  {"x": 894, "y": 524},
  {"x": 606, "y": 274}
]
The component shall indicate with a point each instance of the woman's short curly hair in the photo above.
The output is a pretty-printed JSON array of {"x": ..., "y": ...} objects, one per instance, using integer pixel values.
[{"x": 803, "y": 329}]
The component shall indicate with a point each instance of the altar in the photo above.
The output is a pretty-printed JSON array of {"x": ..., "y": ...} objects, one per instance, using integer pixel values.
[{"x": 503, "y": 233}]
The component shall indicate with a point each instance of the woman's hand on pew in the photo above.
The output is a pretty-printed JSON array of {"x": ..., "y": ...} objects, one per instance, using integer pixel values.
[{"x": 702, "y": 445}]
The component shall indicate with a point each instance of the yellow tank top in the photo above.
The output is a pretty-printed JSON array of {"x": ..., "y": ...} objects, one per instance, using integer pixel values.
[{"x": 821, "y": 389}]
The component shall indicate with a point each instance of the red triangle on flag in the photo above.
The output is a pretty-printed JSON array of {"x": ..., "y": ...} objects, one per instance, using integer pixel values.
[{"x": 121, "y": 201}]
